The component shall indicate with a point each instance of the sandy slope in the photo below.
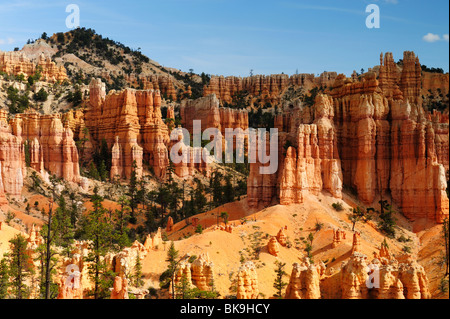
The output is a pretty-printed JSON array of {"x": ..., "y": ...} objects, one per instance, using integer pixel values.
[{"x": 223, "y": 248}]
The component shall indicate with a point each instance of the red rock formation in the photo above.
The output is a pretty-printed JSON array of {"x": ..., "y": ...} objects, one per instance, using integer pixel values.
[
  {"x": 52, "y": 147},
  {"x": 202, "y": 272},
  {"x": 247, "y": 282},
  {"x": 338, "y": 236},
  {"x": 169, "y": 226},
  {"x": 207, "y": 110},
  {"x": 15, "y": 63},
  {"x": 301, "y": 172},
  {"x": 191, "y": 157},
  {"x": 281, "y": 237},
  {"x": 269, "y": 88},
  {"x": 353, "y": 278},
  {"x": 120, "y": 288},
  {"x": 12, "y": 160},
  {"x": 327, "y": 141},
  {"x": 153, "y": 242},
  {"x": 199, "y": 273},
  {"x": 418, "y": 181},
  {"x": 130, "y": 122},
  {"x": 304, "y": 282},
  {"x": 309, "y": 166},
  {"x": 356, "y": 245},
  {"x": 273, "y": 246},
  {"x": 414, "y": 280},
  {"x": 376, "y": 138},
  {"x": 401, "y": 278},
  {"x": 435, "y": 82}
]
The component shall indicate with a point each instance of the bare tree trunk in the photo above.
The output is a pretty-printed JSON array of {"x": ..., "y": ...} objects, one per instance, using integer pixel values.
[{"x": 48, "y": 254}]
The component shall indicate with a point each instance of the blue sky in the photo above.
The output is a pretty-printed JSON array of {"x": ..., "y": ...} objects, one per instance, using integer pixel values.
[{"x": 231, "y": 37}]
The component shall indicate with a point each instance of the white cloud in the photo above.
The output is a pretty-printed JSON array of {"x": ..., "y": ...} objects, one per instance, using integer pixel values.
[
  {"x": 431, "y": 37},
  {"x": 445, "y": 37},
  {"x": 7, "y": 41}
]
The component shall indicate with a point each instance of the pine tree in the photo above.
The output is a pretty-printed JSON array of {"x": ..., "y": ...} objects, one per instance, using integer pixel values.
[
  {"x": 184, "y": 289},
  {"x": 138, "y": 282},
  {"x": 228, "y": 190},
  {"x": 133, "y": 191},
  {"x": 279, "y": 284},
  {"x": 172, "y": 259},
  {"x": 102, "y": 171},
  {"x": 57, "y": 231},
  {"x": 19, "y": 268},
  {"x": 4, "y": 279},
  {"x": 216, "y": 188},
  {"x": 99, "y": 230},
  {"x": 120, "y": 222}
]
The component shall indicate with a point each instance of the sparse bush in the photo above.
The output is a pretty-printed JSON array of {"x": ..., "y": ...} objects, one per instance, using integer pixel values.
[
  {"x": 403, "y": 239},
  {"x": 199, "y": 229},
  {"x": 10, "y": 216},
  {"x": 319, "y": 225},
  {"x": 338, "y": 206}
]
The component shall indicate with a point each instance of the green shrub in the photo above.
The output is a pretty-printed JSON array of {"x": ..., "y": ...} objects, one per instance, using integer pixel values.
[
  {"x": 338, "y": 206},
  {"x": 41, "y": 96}
]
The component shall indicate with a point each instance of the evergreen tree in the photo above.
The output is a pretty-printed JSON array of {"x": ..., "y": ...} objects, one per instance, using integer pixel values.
[
  {"x": 172, "y": 259},
  {"x": 216, "y": 188},
  {"x": 228, "y": 191},
  {"x": 200, "y": 200},
  {"x": 57, "y": 231},
  {"x": 183, "y": 289},
  {"x": 102, "y": 171},
  {"x": 133, "y": 192},
  {"x": 138, "y": 282},
  {"x": 99, "y": 230},
  {"x": 4, "y": 279},
  {"x": 19, "y": 267},
  {"x": 224, "y": 216},
  {"x": 120, "y": 220},
  {"x": 279, "y": 283}
]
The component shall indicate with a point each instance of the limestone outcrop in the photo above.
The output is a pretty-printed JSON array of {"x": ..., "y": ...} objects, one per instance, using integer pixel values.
[
  {"x": 202, "y": 272},
  {"x": 338, "y": 236},
  {"x": 247, "y": 282},
  {"x": 125, "y": 261},
  {"x": 304, "y": 282},
  {"x": 169, "y": 225},
  {"x": 356, "y": 245},
  {"x": 370, "y": 133},
  {"x": 399, "y": 277},
  {"x": 199, "y": 273},
  {"x": 211, "y": 115},
  {"x": 131, "y": 123},
  {"x": 51, "y": 144},
  {"x": 12, "y": 160},
  {"x": 190, "y": 158},
  {"x": 269, "y": 88},
  {"x": 281, "y": 237},
  {"x": 120, "y": 288},
  {"x": 17, "y": 62},
  {"x": 273, "y": 246},
  {"x": 153, "y": 242}
]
